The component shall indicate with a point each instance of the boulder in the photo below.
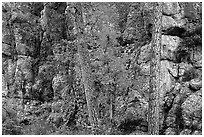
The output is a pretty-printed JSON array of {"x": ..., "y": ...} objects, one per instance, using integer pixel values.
[
  {"x": 196, "y": 57},
  {"x": 195, "y": 84},
  {"x": 173, "y": 69},
  {"x": 191, "y": 108},
  {"x": 6, "y": 49},
  {"x": 183, "y": 67},
  {"x": 171, "y": 8},
  {"x": 197, "y": 132},
  {"x": 185, "y": 132},
  {"x": 171, "y": 121},
  {"x": 170, "y": 131},
  {"x": 185, "y": 91}
]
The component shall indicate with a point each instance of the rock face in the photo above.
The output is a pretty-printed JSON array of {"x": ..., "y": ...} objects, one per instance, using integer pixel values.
[
  {"x": 169, "y": 45},
  {"x": 195, "y": 84},
  {"x": 171, "y": 8},
  {"x": 181, "y": 81}
]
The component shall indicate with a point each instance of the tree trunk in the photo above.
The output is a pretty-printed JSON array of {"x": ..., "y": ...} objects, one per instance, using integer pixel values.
[
  {"x": 154, "y": 87},
  {"x": 84, "y": 61}
]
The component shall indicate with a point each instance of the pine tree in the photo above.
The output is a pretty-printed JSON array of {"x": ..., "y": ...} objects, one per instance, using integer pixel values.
[
  {"x": 154, "y": 89},
  {"x": 84, "y": 60}
]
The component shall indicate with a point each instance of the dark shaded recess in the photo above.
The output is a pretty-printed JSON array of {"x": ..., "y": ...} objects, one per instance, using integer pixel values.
[
  {"x": 174, "y": 31},
  {"x": 149, "y": 28},
  {"x": 179, "y": 118},
  {"x": 72, "y": 119},
  {"x": 36, "y": 8},
  {"x": 123, "y": 42},
  {"x": 166, "y": 109},
  {"x": 25, "y": 122},
  {"x": 43, "y": 94},
  {"x": 47, "y": 94},
  {"x": 58, "y": 6},
  {"x": 4, "y": 9},
  {"x": 128, "y": 126},
  {"x": 189, "y": 75},
  {"x": 191, "y": 40},
  {"x": 6, "y": 56},
  {"x": 123, "y": 9},
  {"x": 182, "y": 55}
]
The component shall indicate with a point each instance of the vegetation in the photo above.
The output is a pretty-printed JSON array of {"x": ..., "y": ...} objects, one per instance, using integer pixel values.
[{"x": 94, "y": 68}]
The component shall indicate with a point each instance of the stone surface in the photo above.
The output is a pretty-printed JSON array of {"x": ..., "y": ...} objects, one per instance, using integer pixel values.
[
  {"x": 171, "y": 8},
  {"x": 196, "y": 56},
  {"x": 185, "y": 132},
  {"x": 183, "y": 67},
  {"x": 58, "y": 83},
  {"x": 168, "y": 22},
  {"x": 197, "y": 132},
  {"x": 141, "y": 88},
  {"x": 169, "y": 46},
  {"x": 46, "y": 71},
  {"x": 145, "y": 69},
  {"x": 167, "y": 81},
  {"x": 192, "y": 108},
  {"x": 144, "y": 54},
  {"x": 173, "y": 69},
  {"x": 24, "y": 65},
  {"x": 195, "y": 84},
  {"x": 170, "y": 131},
  {"x": 6, "y": 49}
]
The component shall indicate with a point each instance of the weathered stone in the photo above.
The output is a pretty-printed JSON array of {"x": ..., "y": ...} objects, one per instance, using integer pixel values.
[
  {"x": 177, "y": 99},
  {"x": 169, "y": 22},
  {"x": 171, "y": 121},
  {"x": 166, "y": 80},
  {"x": 7, "y": 38},
  {"x": 196, "y": 132},
  {"x": 195, "y": 84},
  {"x": 199, "y": 126},
  {"x": 6, "y": 49},
  {"x": 141, "y": 88},
  {"x": 185, "y": 132},
  {"x": 198, "y": 64},
  {"x": 58, "y": 83},
  {"x": 196, "y": 123},
  {"x": 185, "y": 91},
  {"x": 144, "y": 54},
  {"x": 198, "y": 93},
  {"x": 46, "y": 72},
  {"x": 196, "y": 56},
  {"x": 24, "y": 64},
  {"x": 171, "y": 8},
  {"x": 11, "y": 69},
  {"x": 169, "y": 46},
  {"x": 137, "y": 112},
  {"x": 191, "y": 108},
  {"x": 145, "y": 69},
  {"x": 170, "y": 131},
  {"x": 138, "y": 132},
  {"x": 173, "y": 69},
  {"x": 183, "y": 67},
  {"x": 187, "y": 119}
]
